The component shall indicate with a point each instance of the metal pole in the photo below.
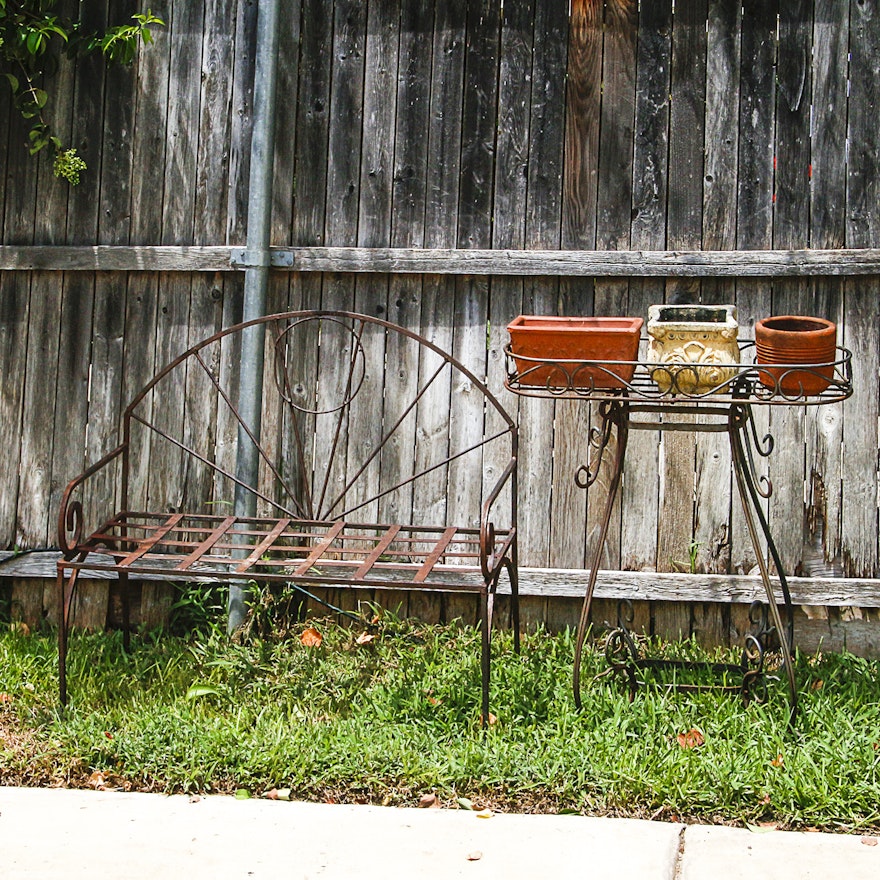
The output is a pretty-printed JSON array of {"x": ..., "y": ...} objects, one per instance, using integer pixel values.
[{"x": 256, "y": 277}]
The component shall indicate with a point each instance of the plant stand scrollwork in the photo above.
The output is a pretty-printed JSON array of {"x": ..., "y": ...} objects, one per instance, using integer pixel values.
[{"x": 645, "y": 404}]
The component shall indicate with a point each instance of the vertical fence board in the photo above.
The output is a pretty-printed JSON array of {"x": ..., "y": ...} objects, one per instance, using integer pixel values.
[
  {"x": 861, "y": 334},
  {"x": 639, "y": 492},
  {"x": 754, "y": 201}
]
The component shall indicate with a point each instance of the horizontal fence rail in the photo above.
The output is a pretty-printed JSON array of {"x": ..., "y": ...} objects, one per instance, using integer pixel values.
[{"x": 450, "y": 261}]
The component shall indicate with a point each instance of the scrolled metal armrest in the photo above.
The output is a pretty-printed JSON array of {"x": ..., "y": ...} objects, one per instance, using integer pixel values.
[
  {"x": 488, "y": 562},
  {"x": 70, "y": 513}
]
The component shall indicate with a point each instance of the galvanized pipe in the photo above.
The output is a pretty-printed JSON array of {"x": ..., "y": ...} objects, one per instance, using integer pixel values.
[{"x": 256, "y": 277}]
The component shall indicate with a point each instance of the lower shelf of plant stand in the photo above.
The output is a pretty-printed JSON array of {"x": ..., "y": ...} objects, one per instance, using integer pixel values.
[{"x": 749, "y": 678}]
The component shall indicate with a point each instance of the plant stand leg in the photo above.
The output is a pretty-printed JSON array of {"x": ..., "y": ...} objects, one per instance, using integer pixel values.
[
  {"x": 739, "y": 424},
  {"x": 615, "y": 414}
]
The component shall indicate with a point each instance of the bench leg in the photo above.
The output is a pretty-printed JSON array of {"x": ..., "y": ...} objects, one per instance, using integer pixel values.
[
  {"x": 486, "y": 603},
  {"x": 66, "y": 586},
  {"x": 513, "y": 575}
]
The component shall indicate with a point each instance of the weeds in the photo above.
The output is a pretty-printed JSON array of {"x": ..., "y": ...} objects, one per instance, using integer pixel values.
[{"x": 387, "y": 718}]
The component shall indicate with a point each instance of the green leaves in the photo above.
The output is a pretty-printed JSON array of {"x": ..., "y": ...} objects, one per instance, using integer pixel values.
[{"x": 32, "y": 40}]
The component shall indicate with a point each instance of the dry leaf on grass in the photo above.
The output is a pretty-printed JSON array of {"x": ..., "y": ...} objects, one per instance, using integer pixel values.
[
  {"x": 693, "y": 739},
  {"x": 97, "y": 780},
  {"x": 311, "y": 638},
  {"x": 778, "y": 761},
  {"x": 365, "y": 638}
]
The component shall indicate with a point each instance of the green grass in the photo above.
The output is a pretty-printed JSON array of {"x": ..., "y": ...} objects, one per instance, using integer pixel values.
[{"x": 387, "y": 721}]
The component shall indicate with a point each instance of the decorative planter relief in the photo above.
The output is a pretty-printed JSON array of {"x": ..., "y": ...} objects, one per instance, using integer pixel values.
[
  {"x": 696, "y": 346},
  {"x": 537, "y": 339},
  {"x": 795, "y": 340}
]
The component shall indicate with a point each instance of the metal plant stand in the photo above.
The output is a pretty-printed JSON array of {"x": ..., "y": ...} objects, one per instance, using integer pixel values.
[{"x": 639, "y": 404}]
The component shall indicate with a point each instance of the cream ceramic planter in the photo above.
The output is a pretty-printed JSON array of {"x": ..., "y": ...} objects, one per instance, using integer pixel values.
[{"x": 693, "y": 346}]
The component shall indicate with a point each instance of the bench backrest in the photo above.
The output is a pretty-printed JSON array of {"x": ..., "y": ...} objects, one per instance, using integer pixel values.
[{"x": 361, "y": 420}]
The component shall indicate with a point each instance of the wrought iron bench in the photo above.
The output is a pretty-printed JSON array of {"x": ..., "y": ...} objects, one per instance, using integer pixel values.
[{"x": 371, "y": 436}]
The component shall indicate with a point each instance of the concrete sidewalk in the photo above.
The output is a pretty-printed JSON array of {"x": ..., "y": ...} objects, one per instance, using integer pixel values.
[{"x": 51, "y": 833}]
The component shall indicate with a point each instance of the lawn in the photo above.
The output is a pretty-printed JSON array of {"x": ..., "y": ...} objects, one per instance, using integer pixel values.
[{"x": 389, "y": 713}]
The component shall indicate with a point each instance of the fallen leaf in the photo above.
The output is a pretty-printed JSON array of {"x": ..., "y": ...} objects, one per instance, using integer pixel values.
[
  {"x": 693, "y": 739},
  {"x": 817, "y": 685},
  {"x": 5, "y": 698},
  {"x": 465, "y": 803},
  {"x": 475, "y": 856},
  {"x": 311, "y": 638},
  {"x": 765, "y": 799},
  {"x": 869, "y": 841},
  {"x": 97, "y": 780},
  {"x": 492, "y": 719},
  {"x": 365, "y": 638},
  {"x": 278, "y": 794},
  {"x": 428, "y": 800},
  {"x": 194, "y": 798},
  {"x": 19, "y": 626},
  {"x": 485, "y": 814},
  {"x": 761, "y": 827},
  {"x": 778, "y": 761},
  {"x": 242, "y": 794},
  {"x": 434, "y": 701},
  {"x": 108, "y": 734}
]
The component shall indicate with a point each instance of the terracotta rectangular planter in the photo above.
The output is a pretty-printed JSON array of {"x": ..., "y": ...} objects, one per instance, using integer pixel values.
[{"x": 573, "y": 340}]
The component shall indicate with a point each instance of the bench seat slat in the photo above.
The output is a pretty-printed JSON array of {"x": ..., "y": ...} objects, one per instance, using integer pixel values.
[
  {"x": 321, "y": 548},
  {"x": 382, "y": 545},
  {"x": 260, "y": 550},
  {"x": 207, "y": 544},
  {"x": 147, "y": 544}
]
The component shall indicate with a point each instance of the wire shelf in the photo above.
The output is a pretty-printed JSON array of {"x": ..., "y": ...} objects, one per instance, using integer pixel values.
[{"x": 745, "y": 382}]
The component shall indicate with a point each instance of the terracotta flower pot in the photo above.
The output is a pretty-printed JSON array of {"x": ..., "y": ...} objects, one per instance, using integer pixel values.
[
  {"x": 537, "y": 338},
  {"x": 792, "y": 340}
]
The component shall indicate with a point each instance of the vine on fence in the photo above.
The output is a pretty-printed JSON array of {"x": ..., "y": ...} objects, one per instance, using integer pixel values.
[{"x": 33, "y": 39}]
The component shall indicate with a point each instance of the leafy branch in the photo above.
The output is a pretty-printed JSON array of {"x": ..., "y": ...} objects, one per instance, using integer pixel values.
[{"x": 32, "y": 41}]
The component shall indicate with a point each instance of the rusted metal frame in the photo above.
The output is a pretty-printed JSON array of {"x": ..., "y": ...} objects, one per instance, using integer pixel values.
[
  {"x": 145, "y": 546},
  {"x": 381, "y": 546},
  {"x": 750, "y": 500},
  {"x": 434, "y": 556},
  {"x": 263, "y": 547},
  {"x": 208, "y": 543},
  {"x": 268, "y": 461},
  {"x": 214, "y": 466},
  {"x": 618, "y": 414},
  {"x": 381, "y": 445},
  {"x": 485, "y": 441},
  {"x": 70, "y": 514},
  {"x": 343, "y": 413},
  {"x": 326, "y": 541}
]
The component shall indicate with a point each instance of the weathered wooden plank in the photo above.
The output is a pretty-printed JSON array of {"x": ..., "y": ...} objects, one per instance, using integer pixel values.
[
  {"x": 791, "y": 202},
  {"x": 508, "y": 229},
  {"x": 827, "y": 229},
  {"x": 215, "y": 122},
  {"x": 712, "y": 521},
  {"x": 732, "y": 264},
  {"x": 571, "y": 583},
  {"x": 640, "y": 490},
  {"x": 242, "y": 121},
  {"x": 14, "y": 322},
  {"x": 860, "y": 550},
  {"x": 34, "y": 520},
  {"x": 754, "y": 198}
]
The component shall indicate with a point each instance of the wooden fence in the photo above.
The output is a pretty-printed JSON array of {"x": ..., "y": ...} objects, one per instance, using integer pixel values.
[{"x": 409, "y": 124}]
